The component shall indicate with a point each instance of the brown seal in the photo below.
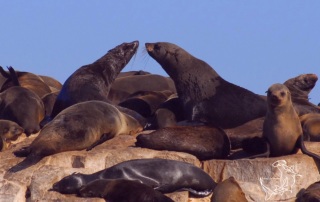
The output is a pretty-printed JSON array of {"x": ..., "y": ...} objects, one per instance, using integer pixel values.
[
  {"x": 24, "y": 79},
  {"x": 132, "y": 73},
  {"x": 206, "y": 96},
  {"x": 9, "y": 131},
  {"x": 202, "y": 141},
  {"x": 122, "y": 190},
  {"x": 300, "y": 87},
  {"x": 228, "y": 191},
  {"x": 163, "y": 175},
  {"x": 53, "y": 83},
  {"x": 48, "y": 101},
  {"x": 93, "y": 81},
  {"x": 146, "y": 102},
  {"x": 123, "y": 87},
  {"x": 80, "y": 126},
  {"x": 281, "y": 127},
  {"x": 311, "y": 126},
  {"x": 311, "y": 194},
  {"x": 22, "y": 106}
]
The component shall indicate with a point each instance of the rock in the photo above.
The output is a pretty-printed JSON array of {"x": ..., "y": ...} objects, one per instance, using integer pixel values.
[
  {"x": 33, "y": 183},
  {"x": 256, "y": 176}
]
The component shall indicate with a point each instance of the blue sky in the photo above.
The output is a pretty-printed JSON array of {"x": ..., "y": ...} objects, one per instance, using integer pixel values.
[{"x": 250, "y": 43}]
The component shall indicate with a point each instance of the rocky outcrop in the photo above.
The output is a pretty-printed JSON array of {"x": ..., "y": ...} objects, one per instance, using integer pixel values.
[{"x": 283, "y": 177}]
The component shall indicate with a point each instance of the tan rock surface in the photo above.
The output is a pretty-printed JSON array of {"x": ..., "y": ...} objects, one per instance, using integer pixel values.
[{"x": 32, "y": 184}]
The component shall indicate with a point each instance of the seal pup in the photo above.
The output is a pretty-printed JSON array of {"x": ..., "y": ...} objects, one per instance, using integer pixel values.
[
  {"x": 80, "y": 126},
  {"x": 122, "y": 190},
  {"x": 311, "y": 126},
  {"x": 204, "y": 142},
  {"x": 163, "y": 175},
  {"x": 206, "y": 96},
  {"x": 228, "y": 191},
  {"x": 281, "y": 127},
  {"x": 9, "y": 131},
  {"x": 93, "y": 81},
  {"x": 22, "y": 106},
  {"x": 311, "y": 194}
]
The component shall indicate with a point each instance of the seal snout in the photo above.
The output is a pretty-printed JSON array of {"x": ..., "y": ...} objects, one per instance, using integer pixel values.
[{"x": 149, "y": 47}]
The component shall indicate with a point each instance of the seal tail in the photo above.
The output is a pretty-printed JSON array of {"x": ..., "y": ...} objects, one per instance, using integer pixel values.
[
  {"x": 306, "y": 151},
  {"x": 30, "y": 160}
]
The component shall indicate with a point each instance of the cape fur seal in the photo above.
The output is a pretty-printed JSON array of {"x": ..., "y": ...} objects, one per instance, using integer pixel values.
[
  {"x": 311, "y": 126},
  {"x": 9, "y": 131},
  {"x": 311, "y": 194},
  {"x": 93, "y": 81},
  {"x": 24, "y": 79},
  {"x": 300, "y": 87},
  {"x": 228, "y": 191},
  {"x": 22, "y": 106},
  {"x": 146, "y": 102},
  {"x": 123, "y": 87},
  {"x": 163, "y": 175},
  {"x": 206, "y": 96},
  {"x": 281, "y": 127},
  {"x": 122, "y": 190},
  {"x": 80, "y": 126},
  {"x": 201, "y": 141}
]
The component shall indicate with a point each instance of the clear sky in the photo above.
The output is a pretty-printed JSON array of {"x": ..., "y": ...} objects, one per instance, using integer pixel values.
[{"x": 250, "y": 43}]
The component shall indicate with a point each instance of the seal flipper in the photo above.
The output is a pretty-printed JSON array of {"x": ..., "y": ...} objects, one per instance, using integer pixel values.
[
  {"x": 23, "y": 152},
  {"x": 305, "y": 150},
  {"x": 104, "y": 137},
  {"x": 30, "y": 160}
]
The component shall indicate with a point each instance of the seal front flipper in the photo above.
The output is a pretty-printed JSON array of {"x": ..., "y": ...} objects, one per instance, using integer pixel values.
[
  {"x": 23, "y": 152},
  {"x": 104, "y": 137},
  {"x": 30, "y": 160}
]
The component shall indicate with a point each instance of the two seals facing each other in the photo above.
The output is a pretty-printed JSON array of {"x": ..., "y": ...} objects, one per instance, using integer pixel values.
[
  {"x": 163, "y": 175},
  {"x": 93, "y": 81},
  {"x": 122, "y": 190},
  {"x": 80, "y": 126},
  {"x": 205, "y": 95},
  {"x": 202, "y": 141}
]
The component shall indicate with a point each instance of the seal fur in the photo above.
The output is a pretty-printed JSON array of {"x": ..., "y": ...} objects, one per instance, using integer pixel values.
[
  {"x": 163, "y": 175},
  {"x": 206, "y": 96},
  {"x": 80, "y": 126}
]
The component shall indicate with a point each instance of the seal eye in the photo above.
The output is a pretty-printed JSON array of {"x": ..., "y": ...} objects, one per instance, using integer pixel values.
[
  {"x": 282, "y": 94},
  {"x": 156, "y": 47}
]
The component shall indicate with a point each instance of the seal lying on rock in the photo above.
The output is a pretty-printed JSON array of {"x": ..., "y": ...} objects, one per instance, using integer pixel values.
[
  {"x": 161, "y": 174},
  {"x": 80, "y": 126},
  {"x": 202, "y": 141},
  {"x": 93, "y": 81},
  {"x": 205, "y": 95},
  {"x": 122, "y": 190}
]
